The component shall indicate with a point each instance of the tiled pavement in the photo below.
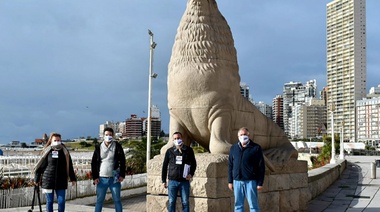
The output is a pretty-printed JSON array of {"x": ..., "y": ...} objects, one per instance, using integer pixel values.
[{"x": 354, "y": 191}]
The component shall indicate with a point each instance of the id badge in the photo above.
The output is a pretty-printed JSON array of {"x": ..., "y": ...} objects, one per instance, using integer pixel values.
[
  {"x": 54, "y": 154},
  {"x": 178, "y": 160}
]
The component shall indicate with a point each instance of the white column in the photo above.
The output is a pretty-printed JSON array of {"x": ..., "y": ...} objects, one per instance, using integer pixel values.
[
  {"x": 149, "y": 119},
  {"x": 341, "y": 155},
  {"x": 332, "y": 160}
]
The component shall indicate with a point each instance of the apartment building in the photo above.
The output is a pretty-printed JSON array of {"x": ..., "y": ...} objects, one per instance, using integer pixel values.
[{"x": 346, "y": 61}]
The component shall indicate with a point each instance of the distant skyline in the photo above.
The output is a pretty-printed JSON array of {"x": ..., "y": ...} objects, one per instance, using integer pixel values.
[{"x": 69, "y": 66}]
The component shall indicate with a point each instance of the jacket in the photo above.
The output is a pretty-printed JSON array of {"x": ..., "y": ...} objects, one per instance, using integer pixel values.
[
  {"x": 175, "y": 169},
  {"x": 246, "y": 163},
  {"x": 54, "y": 172},
  {"x": 118, "y": 161}
]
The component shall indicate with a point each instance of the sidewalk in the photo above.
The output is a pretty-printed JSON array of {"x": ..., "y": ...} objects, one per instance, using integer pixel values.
[
  {"x": 354, "y": 191},
  {"x": 133, "y": 201}
]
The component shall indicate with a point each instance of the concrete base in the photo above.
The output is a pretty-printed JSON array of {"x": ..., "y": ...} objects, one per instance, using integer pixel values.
[{"x": 286, "y": 189}]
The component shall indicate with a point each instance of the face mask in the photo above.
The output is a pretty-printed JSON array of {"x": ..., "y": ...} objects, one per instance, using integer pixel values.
[
  {"x": 56, "y": 143},
  {"x": 243, "y": 139},
  {"x": 108, "y": 138},
  {"x": 178, "y": 142}
]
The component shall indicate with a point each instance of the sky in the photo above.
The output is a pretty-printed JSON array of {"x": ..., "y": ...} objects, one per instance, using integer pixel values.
[{"x": 68, "y": 66}]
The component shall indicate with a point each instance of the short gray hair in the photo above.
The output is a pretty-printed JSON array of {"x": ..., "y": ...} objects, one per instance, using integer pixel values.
[{"x": 245, "y": 129}]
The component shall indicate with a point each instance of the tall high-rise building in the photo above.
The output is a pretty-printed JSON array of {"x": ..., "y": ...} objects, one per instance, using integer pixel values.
[
  {"x": 264, "y": 109},
  {"x": 244, "y": 91},
  {"x": 277, "y": 111},
  {"x": 346, "y": 61},
  {"x": 296, "y": 93},
  {"x": 155, "y": 122},
  {"x": 368, "y": 118},
  {"x": 134, "y": 126},
  {"x": 118, "y": 128}
]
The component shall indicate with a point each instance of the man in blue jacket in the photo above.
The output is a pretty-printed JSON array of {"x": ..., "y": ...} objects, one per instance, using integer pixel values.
[{"x": 246, "y": 170}]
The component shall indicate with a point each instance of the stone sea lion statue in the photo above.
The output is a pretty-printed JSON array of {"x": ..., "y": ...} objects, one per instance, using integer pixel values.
[{"x": 204, "y": 98}]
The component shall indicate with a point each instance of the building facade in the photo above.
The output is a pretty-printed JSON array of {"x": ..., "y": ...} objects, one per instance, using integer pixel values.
[
  {"x": 264, "y": 109},
  {"x": 368, "y": 118},
  {"x": 155, "y": 122},
  {"x": 314, "y": 119},
  {"x": 111, "y": 124},
  {"x": 346, "y": 61},
  {"x": 277, "y": 111},
  {"x": 294, "y": 94},
  {"x": 134, "y": 126}
]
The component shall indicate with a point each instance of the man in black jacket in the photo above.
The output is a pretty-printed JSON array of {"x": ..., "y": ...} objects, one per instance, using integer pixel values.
[
  {"x": 182, "y": 164},
  {"x": 108, "y": 170},
  {"x": 246, "y": 169}
]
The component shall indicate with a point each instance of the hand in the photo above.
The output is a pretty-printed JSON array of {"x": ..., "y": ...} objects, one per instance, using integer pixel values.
[
  {"x": 96, "y": 181},
  {"x": 121, "y": 179},
  {"x": 73, "y": 183},
  {"x": 231, "y": 186},
  {"x": 259, "y": 188},
  {"x": 36, "y": 183},
  {"x": 165, "y": 185},
  {"x": 188, "y": 177}
]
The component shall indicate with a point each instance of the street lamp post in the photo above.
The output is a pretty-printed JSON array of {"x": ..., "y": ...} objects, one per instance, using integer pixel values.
[
  {"x": 341, "y": 155},
  {"x": 310, "y": 147},
  {"x": 151, "y": 75},
  {"x": 332, "y": 161}
]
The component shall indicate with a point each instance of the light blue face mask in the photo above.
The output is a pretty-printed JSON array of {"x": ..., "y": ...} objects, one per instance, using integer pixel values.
[
  {"x": 243, "y": 139},
  {"x": 178, "y": 142},
  {"x": 107, "y": 138}
]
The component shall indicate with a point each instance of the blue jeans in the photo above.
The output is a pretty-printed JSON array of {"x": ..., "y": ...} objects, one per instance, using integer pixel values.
[
  {"x": 61, "y": 197},
  {"x": 246, "y": 188},
  {"x": 184, "y": 188},
  {"x": 101, "y": 191}
]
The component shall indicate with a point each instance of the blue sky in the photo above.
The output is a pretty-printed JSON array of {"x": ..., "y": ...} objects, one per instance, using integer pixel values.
[{"x": 69, "y": 66}]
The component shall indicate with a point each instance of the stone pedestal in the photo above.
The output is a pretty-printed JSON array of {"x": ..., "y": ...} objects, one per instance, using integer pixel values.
[{"x": 284, "y": 190}]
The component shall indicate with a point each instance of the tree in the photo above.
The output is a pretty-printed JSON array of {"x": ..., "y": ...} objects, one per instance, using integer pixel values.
[
  {"x": 136, "y": 162},
  {"x": 95, "y": 141},
  {"x": 84, "y": 144},
  {"x": 136, "y": 156},
  {"x": 325, "y": 155},
  {"x": 162, "y": 134}
]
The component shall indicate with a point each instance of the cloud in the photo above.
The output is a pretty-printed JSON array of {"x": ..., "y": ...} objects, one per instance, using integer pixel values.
[{"x": 69, "y": 66}]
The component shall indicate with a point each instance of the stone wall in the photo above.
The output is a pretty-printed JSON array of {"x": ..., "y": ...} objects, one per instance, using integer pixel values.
[
  {"x": 321, "y": 178},
  {"x": 284, "y": 190}
]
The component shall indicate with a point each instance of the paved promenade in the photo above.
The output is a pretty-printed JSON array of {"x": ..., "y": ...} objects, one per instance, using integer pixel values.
[{"x": 355, "y": 191}]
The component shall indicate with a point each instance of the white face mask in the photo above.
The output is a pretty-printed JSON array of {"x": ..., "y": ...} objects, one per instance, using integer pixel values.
[
  {"x": 243, "y": 139},
  {"x": 56, "y": 143},
  {"x": 107, "y": 138},
  {"x": 178, "y": 142}
]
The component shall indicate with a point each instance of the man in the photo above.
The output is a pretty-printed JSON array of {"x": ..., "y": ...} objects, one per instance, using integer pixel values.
[
  {"x": 246, "y": 169},
  {"x": 108, "y": 170},
  {"x": 181, "y": 162}
]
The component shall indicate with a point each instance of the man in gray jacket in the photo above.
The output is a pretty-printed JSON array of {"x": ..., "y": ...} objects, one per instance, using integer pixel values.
[{"x": 108, "y": 170}]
